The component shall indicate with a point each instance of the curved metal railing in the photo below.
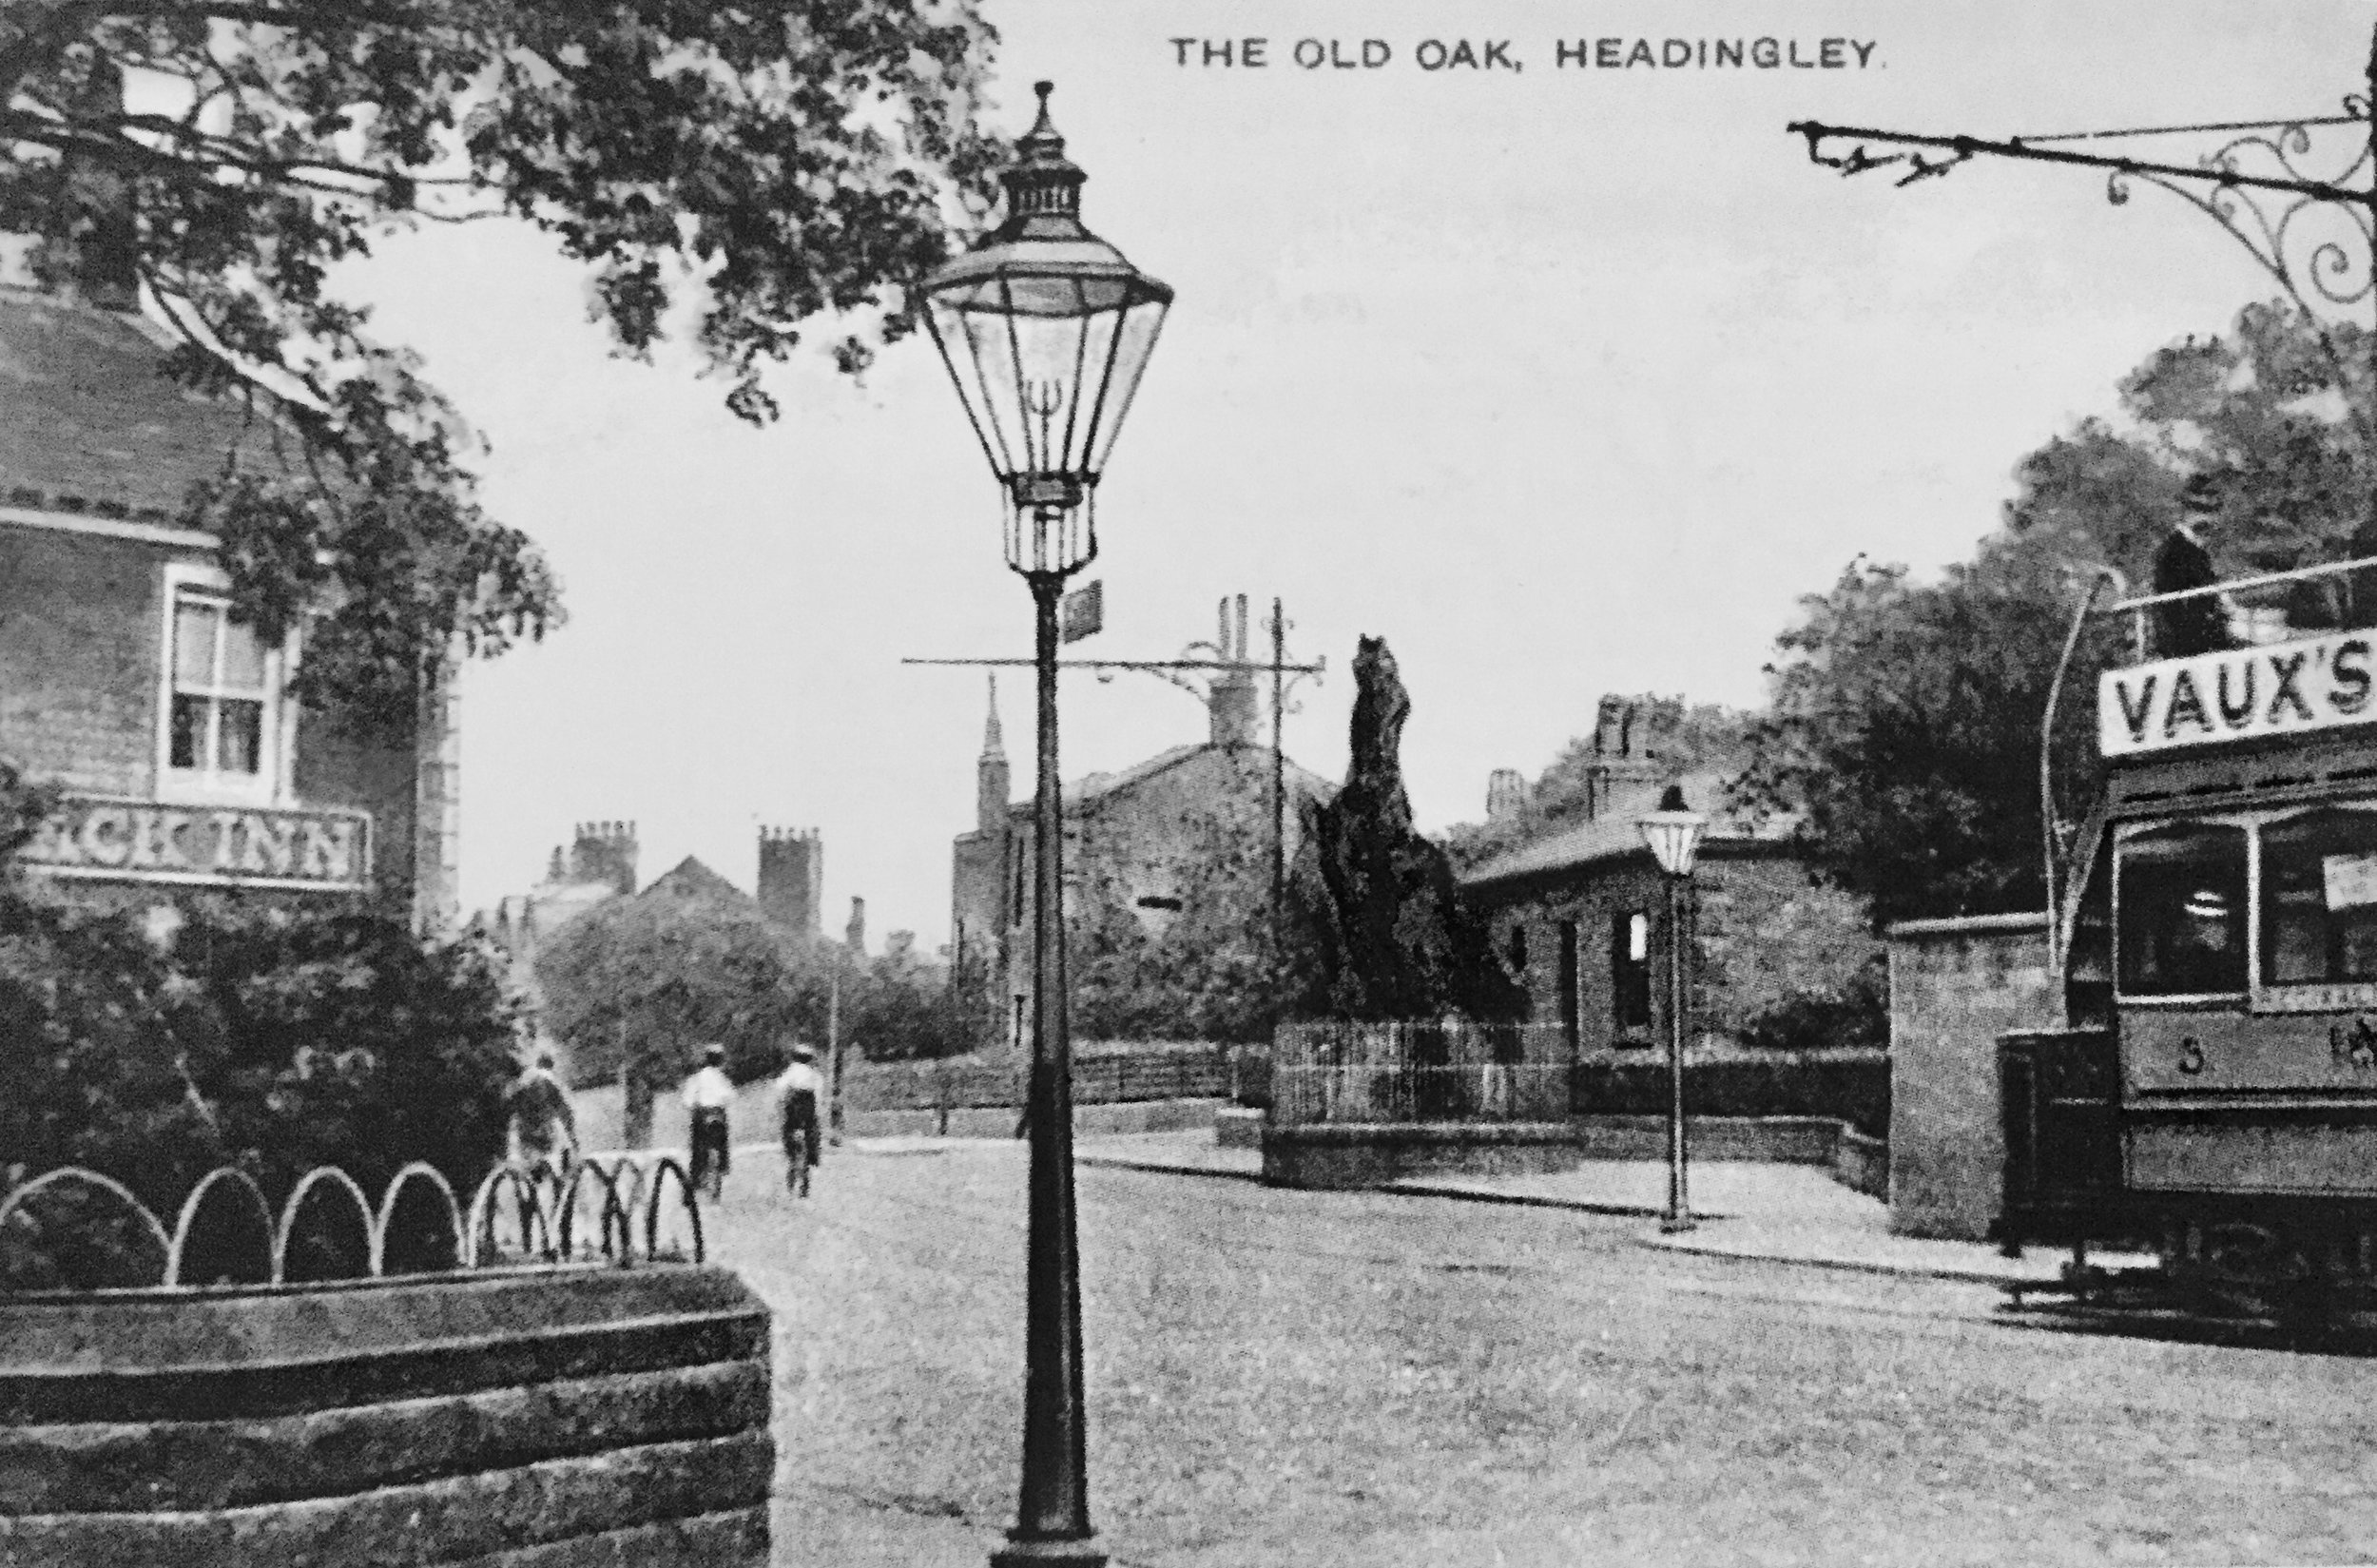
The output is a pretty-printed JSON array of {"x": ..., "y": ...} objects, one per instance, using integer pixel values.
[{"x": 522, "y": 1214}]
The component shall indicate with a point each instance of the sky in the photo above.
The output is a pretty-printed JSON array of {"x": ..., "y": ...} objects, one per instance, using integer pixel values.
[{"x": 1562, "y": 380}]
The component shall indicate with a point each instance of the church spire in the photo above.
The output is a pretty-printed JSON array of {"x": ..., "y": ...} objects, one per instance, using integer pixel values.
[
  {"x": 993, "y": 749},
  {"x": 990, "y": 774}
]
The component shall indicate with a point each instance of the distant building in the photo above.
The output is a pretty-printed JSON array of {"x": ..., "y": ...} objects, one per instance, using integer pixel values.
[
  {"x": 187, "y": 763},
  {"x": 600, "y": 865},
  {"x": 1579, "y": 914},
  {"x": 1132, "y": 836}
]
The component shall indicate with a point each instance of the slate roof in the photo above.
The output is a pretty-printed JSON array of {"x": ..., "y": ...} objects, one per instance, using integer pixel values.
[
  {"x": 691, "y": 878},
  {"x": 1614, "y": 837},
  {"x": 1097, "y": 786},
  {"x": 88, "y": 422}
]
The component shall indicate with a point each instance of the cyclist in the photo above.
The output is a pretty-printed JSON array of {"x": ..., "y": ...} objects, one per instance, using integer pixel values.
[
  {"x": 796, "y": 1096},
  {"x": 707, "y": 1094},
  {"x": 543, "y": 1126}
]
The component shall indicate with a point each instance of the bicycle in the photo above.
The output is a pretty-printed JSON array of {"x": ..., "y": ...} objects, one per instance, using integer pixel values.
[
  {"x": 797, "y": 1166},
  {"x": 710, "y": 1154}
]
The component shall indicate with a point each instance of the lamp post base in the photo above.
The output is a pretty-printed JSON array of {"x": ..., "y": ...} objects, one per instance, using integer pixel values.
[
  {"x": 1085, "y": 1552},
  {"x": 1671, "y": 1225}
]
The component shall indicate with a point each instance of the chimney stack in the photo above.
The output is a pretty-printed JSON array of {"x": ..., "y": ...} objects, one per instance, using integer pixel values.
[
  {"x": 792, "y": 874},
  {"x": 605, "y": 852},
  {"x": 1506, "y": 794}
]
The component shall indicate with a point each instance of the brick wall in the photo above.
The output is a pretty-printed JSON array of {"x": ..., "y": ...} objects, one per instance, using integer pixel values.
[
  {"x": 80, "y": 628},
  {"x": 1955, "y": 987},
  {"x": 1764, "y": 928}
]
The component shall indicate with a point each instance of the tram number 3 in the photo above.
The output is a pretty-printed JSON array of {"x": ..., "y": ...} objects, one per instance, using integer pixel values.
[{"x": 2354, "y": 1047}]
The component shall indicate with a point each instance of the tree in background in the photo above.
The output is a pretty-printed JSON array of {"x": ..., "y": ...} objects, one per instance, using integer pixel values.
[
  {"x": 648, "y": 981},
  {"x": 1377, "y": 930},
  {"x": 901, "y": 1007},
  {"x": 1904, "y": 720},
  {"x": 773, "y": 162}
]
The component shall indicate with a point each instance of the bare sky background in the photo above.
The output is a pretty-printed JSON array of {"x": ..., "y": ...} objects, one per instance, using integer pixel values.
[{"x": 1563, "y": 381}]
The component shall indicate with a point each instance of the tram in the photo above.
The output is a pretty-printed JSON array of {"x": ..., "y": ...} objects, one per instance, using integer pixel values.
[{"x": 2213, "y": 1094}]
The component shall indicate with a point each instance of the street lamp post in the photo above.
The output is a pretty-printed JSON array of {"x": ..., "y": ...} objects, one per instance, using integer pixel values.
[
  {"x": 1045, "y": 329},
  {"x": 1674, "y": 834}
]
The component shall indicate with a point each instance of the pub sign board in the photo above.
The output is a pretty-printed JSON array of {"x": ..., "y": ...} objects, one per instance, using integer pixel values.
[
  {"x": 213, "y": 845},
  {"x": 2237, "y": 694}
]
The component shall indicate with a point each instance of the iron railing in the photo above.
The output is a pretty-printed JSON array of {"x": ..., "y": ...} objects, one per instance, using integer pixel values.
[
  {"x": 1406, "y": 1072},
  {"x": 2273, "y": 607},
  {"x": 78, "y": 1229}
]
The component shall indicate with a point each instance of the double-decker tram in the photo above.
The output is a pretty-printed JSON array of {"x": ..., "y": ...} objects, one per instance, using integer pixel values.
[{"x": 2213, "y": 1096}]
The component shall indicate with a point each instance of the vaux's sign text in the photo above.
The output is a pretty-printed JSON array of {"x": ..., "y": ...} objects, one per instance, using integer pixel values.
[{"x": 2237, "y": 694}]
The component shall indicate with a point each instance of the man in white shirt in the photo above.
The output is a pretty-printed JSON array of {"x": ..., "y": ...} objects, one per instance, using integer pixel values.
[
  {"x": 797, "y": 1094},
  {"x": 707, "y": 1094}
]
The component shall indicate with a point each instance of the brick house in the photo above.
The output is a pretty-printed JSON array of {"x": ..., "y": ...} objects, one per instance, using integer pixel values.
[
  {"x": 187, "y": 766},
  {"x": 1580, "y": 915}
]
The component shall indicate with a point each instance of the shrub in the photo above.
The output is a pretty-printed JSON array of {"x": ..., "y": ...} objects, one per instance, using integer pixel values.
[
  {"x": 1854, "y": 1016},
  {"x": 271, "y": 1039}
]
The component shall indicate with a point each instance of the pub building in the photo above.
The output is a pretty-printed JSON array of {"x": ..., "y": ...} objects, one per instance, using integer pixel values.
[{"x": 186, "y": 765}]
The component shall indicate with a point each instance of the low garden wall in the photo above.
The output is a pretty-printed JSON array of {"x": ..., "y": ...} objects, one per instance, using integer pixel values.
[
  {"x": 1335, "y": 1155},
  {"x": 1845, "y": 1086},
  {"x": 1342, "y": 1156},
  {"x": 553, "y": 1417}
]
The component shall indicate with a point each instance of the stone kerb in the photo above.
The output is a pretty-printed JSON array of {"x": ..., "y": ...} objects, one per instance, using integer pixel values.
[{"x": 557, "y": 1417}]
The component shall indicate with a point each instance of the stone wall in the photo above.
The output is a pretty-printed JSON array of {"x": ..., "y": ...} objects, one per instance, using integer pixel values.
[
  {"x": 1955, "y": 987},
  {"x": 561, "y": 1418}
]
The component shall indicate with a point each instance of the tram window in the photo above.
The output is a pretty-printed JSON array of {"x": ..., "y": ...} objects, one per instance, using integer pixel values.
[
  {"x": 2182, "y": 912},
  {"x": 2319, "y": 898}
]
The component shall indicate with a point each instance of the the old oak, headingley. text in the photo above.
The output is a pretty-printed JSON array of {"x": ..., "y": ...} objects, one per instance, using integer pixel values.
[{"x": 1619, "y": 53}]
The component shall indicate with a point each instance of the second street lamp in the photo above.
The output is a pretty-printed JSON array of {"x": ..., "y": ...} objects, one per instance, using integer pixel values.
[
  {"x": 1672, "y": 833},
  {"x": 1045, "y": 329}
]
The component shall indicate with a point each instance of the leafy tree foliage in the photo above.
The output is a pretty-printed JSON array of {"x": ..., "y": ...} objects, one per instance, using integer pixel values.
[
  {"x": 899, "y": 1007},
  {"x": 652, "y": 979},
  {"x": 1904, "y": 715},
  {"x": 777, "y": 160}
]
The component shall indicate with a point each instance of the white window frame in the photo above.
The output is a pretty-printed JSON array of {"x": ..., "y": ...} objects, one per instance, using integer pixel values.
[{"x": 270, "y": 783}]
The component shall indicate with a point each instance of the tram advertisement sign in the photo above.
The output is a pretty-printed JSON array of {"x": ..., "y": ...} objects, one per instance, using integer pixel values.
[
  {"x": 2237, "y": 694},
  {"x": 149, "y": 841}
]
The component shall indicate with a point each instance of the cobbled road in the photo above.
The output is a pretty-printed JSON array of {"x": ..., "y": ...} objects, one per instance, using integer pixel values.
[{"x": 1364, "y": 1379}]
